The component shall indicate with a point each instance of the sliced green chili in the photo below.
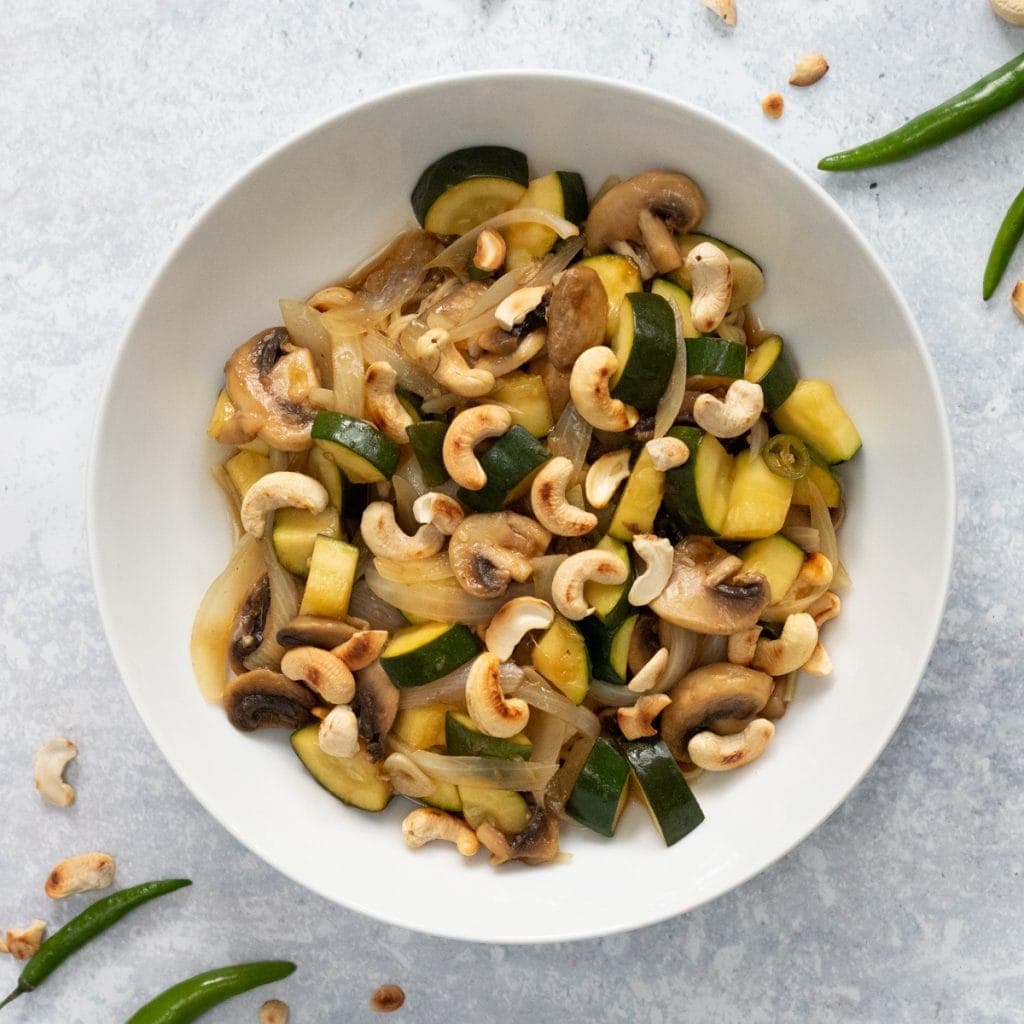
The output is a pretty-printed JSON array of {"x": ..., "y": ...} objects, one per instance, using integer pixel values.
[
  {"x": 96, "y": 918},
  {"x": 190, "y": 999},
  {"x": 987, "y": 96},
  {"x": 787, "y": 456},
  {"x": 1002, "y": 248}
]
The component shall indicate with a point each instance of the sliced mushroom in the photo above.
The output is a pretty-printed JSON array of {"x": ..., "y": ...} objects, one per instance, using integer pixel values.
[
  {"x": 536, "y": 844},
  {"x": 577, "y": 315},
  {"x": 706, "y": 595},
  {"x": 489, "y": 550},
  {"x": 315, "y": 631},
  {"x": 262, "y": 699},
  {"x": 247, "y": 634},
  {"x": 708, "y": 695},
  {"x": 375, "y": 705}
]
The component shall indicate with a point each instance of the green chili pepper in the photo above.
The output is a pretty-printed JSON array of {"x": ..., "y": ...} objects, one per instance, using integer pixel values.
[
  {"x": 1002, "y": 248},
  {"x": 86, "y": 926},
  {"x": 190, "y": 999},
  {"x": 987, "y": 96},
  {"x": 787, "y": 456}
]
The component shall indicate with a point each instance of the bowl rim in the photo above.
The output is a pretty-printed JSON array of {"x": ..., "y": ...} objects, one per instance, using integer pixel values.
[{"x": 223, "y": 194}]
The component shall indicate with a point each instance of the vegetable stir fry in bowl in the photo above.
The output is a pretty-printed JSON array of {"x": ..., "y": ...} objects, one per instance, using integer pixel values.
[{"x": 528, "y": 506}]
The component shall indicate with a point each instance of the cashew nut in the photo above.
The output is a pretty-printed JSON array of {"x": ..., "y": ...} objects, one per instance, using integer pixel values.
[
  {"x": 515, "y": 308},
  {"x": 742, "y": 645},
  {"x": 791, "y": 650},
  {"x": 1017, "y": 299},
  {"x": 50, "y": 761},
  {"x": 436, "y": 353},
  {"x": 605, "y": 475},
  {"x": 513, "y": 620},
  {"x": 438, "y": 510},
  {"x": 649, "y": 676},
  {"x": 773, "y": 105},
  {"x": 328, "y": 675},
  {"x": 638, "y": 721},
  {"x": 711, "y": 277},
  {"x": 273, "y": 1011},
  {"x": 810, "y": 68},
  {"x": 490, "y": 250},
  {"x": 551, "y": 508},
  {"x": 383, "y": 409},
  {"x": 330, "y": 298},
  {"x": 386, "y": 539},
  {"x": 819, "y": 663},
  {"x": 743, "y": 405},
  {"x": 81, "y": 873},
  {"x": 339, "y": 732},
  {"x": 361, "y": 649},
  {"x": 426, "y": 824},
  {"x": 280, "y": 490},
  {"x": 24, "y": 943},
  {"x": 467, "y": 430},
  {"x": 667, "y": 453},
  {"x": 725, "y": 9},
  {"x": 716, "y": 753},
  {"x": 500, "y": 363},
  {"x": 826, "y": 608},
  {"x": 657, "y": 553},
  {"x": 589, "y": 383},
  {"x": 407, "y": 777},
  {"x": 492, "y": 713},
  {"x": 575, "y": 572}
]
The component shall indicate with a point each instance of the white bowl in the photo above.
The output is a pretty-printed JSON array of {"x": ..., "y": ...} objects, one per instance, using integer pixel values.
[{"x": 316, "y": 206}]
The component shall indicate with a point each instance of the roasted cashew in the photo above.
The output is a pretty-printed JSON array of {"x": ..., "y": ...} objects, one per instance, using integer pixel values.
[
  {"x": 500, "y": 363},
  {"x": 361, "y": 649},
  {"x": 658, "y": 556},
  {"x": 711, "y": 277},
  {"x": 426, "y": 824},
  {"x": 638, "y": 721},
  {"x": 773, "y": 105},
  {"x": 825, "y": 608},
  {"x": 50, "y": 761},
  {"x": 811, "y": 67},
  {"x": 515, "y": 308},
  {"x": 791, "y": 650},
  {"x": 493, "y": 713},
  {"x": 280, "y": 490},
  {"x": 273, "y": 1011},
  {"x": 407, "y": 777},
  {"x": 1017, "y": 299},
  {"x": 649, "y": 676},
  {"x": 819, "y": 663},
  {"x": 716, "y": 753},
  {"x": 322, "y": 671},
  {"x": 383, "y": 409},
  {"x": 81, "y": 873},
  {"x": 589, "y": 383},
  {"x": 490, "y": 251},
  {"x": 725, "y": 9},
  {"x": 386, "y": 539},
  {"x": 438, "y": 510},
  {"x": 331, "y": 298},
  {"x": 551, "y": 508},
  {"x": 467, "y": 430},
  {"x": 667, "y": 453},
  {"x": 339, "y": 732},
  {"x": 605, "y": 475},
  {"x": 513, "y": 620},
  {"x": 743, "y": 405},
  {"x": 24, "y": 943},
  {"x": 742, "y": 645},
  {"x": 573, "y": 575},
  {"x": 437, "y": 354}
]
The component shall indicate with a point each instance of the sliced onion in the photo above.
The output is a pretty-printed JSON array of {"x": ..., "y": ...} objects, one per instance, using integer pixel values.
[
  {"x": 480, "y": 315},
  {"x": 284, "y": 606},
  {"x": 806, "y": 537},
  {"x": 821, "y": 520},
  {"x": 460, "y": 252},
  {"x": 451, "y": 689},
  {"x": 544, "y": 569},
  {"x": 570, "y": 437},
  {"x": 672, "y": 399},
  {"x": 561, "y": 786},
  {"x": 547, "y": 734},
  {"x": 408, "y": 484},
  {"x": 378, "y": 348},
  {"x": 426, "y": 569},
  {"x": 758, "y": 437},
  {"x": 682, "y": 648},
  {"x": 536, "y": 691},
  {"x": 611, "y": 695},
  {"x": 232, "y": 501},
  {"x": 346, "y": 363},
  {"x": 485, "y": 772},
  {"x": 306, "y": 329},
  {"x": 365, "y": 604}
]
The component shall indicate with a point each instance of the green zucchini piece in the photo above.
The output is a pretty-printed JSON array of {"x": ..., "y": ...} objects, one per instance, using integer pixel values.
[
  {"x": 410, "y": 402},
  {"x": 758, "y": 500},
  {"x": 620, "y": 276},
  {"x": 332, "y": 573},
  {"x": 417, "y": 655},
  {"x": 509, "y": 464},
  {"x": 324, "y": 469},
  {"x": 427, "y": 442},
  {"x": 464, "y": 739},
  {"x": 769, "y": 366},
  {"x": 747, "y": 275},
  {"x": 645, "y": 345},
  {"x": 609, "y": 648},
  {"x": 561, "y": 658},
  {"x": 602, "y": 790},
  {"x": 673, "y": 293},
  {"x": 356, "y": 781},
  {"x": 505, "y": 809},
  {"x": 358, "y": 448},
  {"x": 421, "y": 728},
  {"x": 640, "y": 501},
  {"x": 445, "y": 797},
  {"x": 814, "y": 414},
  {"x": 713, "y": 362},
  {"x": 667, "y": 796},
  {"x": 610, "y": 601},
  {"x": 467, "y": 186},
  {"x": 561, "y": 193},
  {"x": 525, "y": 395},
  {"x": 777, "y": 559},
  {"x": 295, "y": 532},
  {"x": 697, "y": 493},
  {"x": 820, "y": 474}
]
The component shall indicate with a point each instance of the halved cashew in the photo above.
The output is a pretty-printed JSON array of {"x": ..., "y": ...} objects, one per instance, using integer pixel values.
[
  {"x": 361, "y": 649},
  {"x": 605, "y": 475},
  {"x": 467, "y": 430},
  {"x": 638, "y": 721},
  {"x": 648, "y": 677},
  {"x": 438, "y": 510},
  {"x": 742, "y": 645},
  {"x": 711, "y": 276},
  {"x": 1017, "y": 299},
  {"x": 551, "y": 508},
  {"x": 436, "y": 353},
  {"x": 826, "y": 608},
  {"x": 383, "y": 409},
  {"x": 339, "y": 732},
  {"x": 725, "y": 9},
  {"x": 743, "y": 405},
  {"x": 716, "y": 753},
  {"x": 773, "y": 105},
  {"x": 328, "y": 675},
  {"x": 284, "y": 489},
  {"x": 574, "y": 574},
  {"x": 492, "y": 713},
  {"x": 50, "y": 761},
  {"x": 84, "y": 872},
  {"x": 589, "y": 383},
  {"x": 819, "y": 663},
  {"x": 386, "y": 539},
  {"x": 791, "y": 650},
  {"x": 490, "y": 250},
  {"x": 667, "y": 453},
  {"x": 24, "y": 943},
  {"x": 407, "y": 777},
  {"x": 515, "y": 308},
  {"x": 273, "y": 1011},
  {"x": 500, "y": 363},
  {"x": 810, "y": 68},
  {"x": 657, "y": 554},
  {"x": 513, "y": 620},
  {"x": 426, "y": 824}
]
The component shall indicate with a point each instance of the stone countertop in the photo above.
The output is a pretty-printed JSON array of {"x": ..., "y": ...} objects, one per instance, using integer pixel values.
[{"x": 120, "y": 122}]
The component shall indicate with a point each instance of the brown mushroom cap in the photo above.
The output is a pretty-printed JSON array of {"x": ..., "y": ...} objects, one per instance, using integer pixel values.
[
  {"x": 489, "y": 550},
  {"x": 707, "y": 695},
  {"x": 536, "y": 844},
  {"x": 577, "y": 315},
  {"x": 315, "y": 631},
  {"x": 376, "y": 706},
  {"x": 247, "y": 634},
  {"x": 262, "y": 699},
  {"x": 689, "y": 601},
  {"x": 670, "y": 196}
]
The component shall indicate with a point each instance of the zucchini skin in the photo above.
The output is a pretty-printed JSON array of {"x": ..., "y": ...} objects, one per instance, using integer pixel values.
[
  {"x": 362, "y": 440},
  {"x": 644, "y": 371},
  {"x": 463, "y": 164},
  {"x": 669, "y": 799},
  {"x": 436, "y": 658},
  {"x": 597, "y": 799},
  {"x": 508, "y": 463}
]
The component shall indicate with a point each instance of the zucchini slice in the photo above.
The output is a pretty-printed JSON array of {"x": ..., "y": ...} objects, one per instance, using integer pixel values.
[
  {"x": 509, "y": 464},
  {"x": 526, "y": 397},
  {"x": 355, "y": 781},
  {"x": 814, "y": 414},
  {"x": 561, "y": 658},
  {"x": 673, "y": 292},
  {"x": 777, "y": 559},
  {"x": 421, "y": 728},
  {"x": 420, "y": 654},
  {"x": 295, "y": 532},
  {"x": 747, "y": 276},
  {"x": 666, "y": 795},
  {"x": 758, "y": 500},
  {"x": 445, "y": 797},
  {"x": 713, "y": 362},
  {"x": 463, "y": 188},
  {"x": 332, "y": 572},
  {"x": 609, "y": 648},
  {"x": 464, "y": 739},
  {"x": 819, "y": 474},
  {"x": 610, "y": 601},
  {"x": 323, "y": 468},
  {"x": 645, "y": 345},
  {"x": 358, "y": 448},
  {"x": 561, "y": 193},
  {"x": 769, "y": 366},
  {"x": 640, "y": 501},
  {"x": 244, "y": 468},
  {"x": 697, "y": 493},
  {"x": 427, "y": 442},
  {"x": 505, "y": 809},
  {"x": 602, "y": 790},
  {"x": 620, "y": 277}
]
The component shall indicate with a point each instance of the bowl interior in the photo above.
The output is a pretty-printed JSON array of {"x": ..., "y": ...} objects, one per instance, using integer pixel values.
[{"x": 311, "y": 210}]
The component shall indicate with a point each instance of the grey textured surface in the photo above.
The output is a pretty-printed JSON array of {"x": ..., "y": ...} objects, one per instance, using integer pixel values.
[{"x": 120, "y": 122}]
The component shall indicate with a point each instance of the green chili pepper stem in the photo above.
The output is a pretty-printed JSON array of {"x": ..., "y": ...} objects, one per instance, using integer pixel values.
[
  {"x": 191, "y": 998},
  {"x": 987, "y": 96},
  {"x": 1005, "y": 243}
]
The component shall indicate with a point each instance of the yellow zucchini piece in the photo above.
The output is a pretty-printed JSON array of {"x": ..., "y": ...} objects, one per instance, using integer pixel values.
[
  {"x": 620, "y": 276},
  {"x": 332, "y": 571},
  {"x": 423, "y": 727},
  {"x": 295, "y": 532},
  {"x": 526, "y": 398},
  {"x": 777, "y": 559},
  {"x": 813, "y": 413},
  {"x": 758, "y": 500},
  {"x": 244, "y": 468},
  {"x": 640, "y": 501}
]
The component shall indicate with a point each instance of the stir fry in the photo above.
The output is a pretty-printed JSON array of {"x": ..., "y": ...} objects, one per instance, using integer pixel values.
[{"x": 527, "y": 507}]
